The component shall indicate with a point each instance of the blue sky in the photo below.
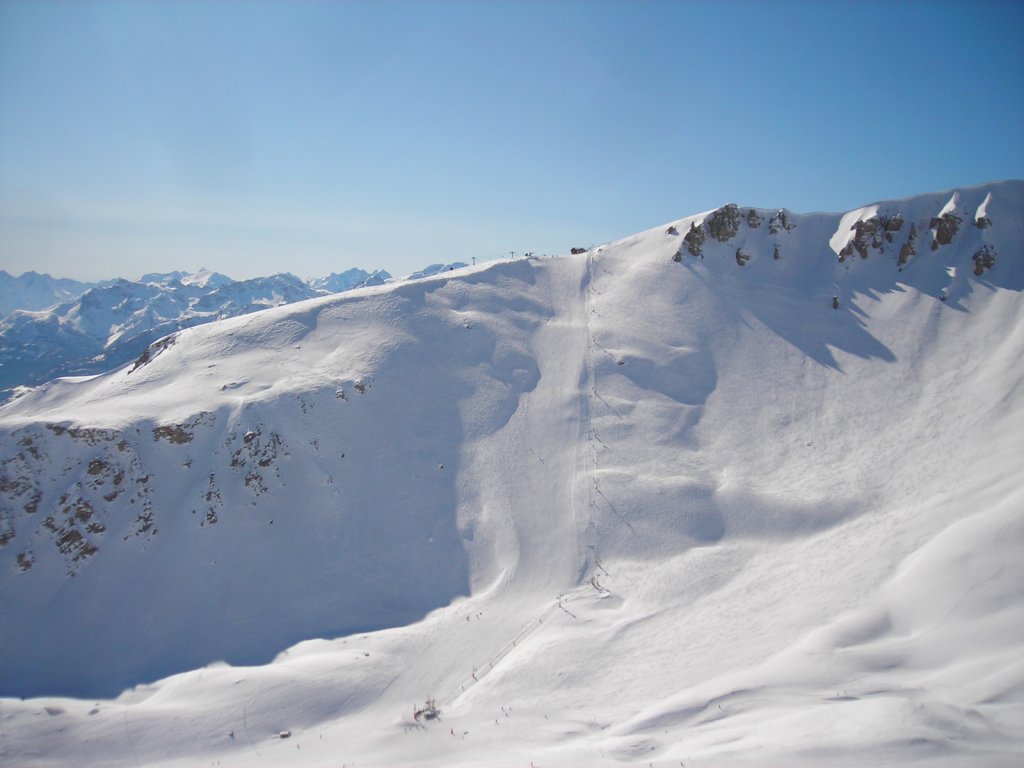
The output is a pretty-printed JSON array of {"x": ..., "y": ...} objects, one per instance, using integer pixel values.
[{"x": 310, "y": 137}]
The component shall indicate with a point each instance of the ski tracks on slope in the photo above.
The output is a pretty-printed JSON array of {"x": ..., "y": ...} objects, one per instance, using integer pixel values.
[
  {"x": 484, "y": 669},
  {"x": 569, "y": 284}
]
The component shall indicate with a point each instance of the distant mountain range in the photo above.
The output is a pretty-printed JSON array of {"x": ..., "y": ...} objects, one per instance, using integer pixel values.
[
  {"x": 54, "y": 327},
  {"x": 33, "y": 291}
]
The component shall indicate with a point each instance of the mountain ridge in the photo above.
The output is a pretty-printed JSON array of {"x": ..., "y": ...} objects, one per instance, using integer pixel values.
[{"x": 104, "y": 325}]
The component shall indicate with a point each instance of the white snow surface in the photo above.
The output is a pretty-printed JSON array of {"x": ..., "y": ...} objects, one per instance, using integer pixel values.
[{"x": 607, "y": 509}]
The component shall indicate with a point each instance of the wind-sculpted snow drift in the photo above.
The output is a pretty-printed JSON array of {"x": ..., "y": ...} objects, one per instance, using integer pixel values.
[{"x": 744, "y": 488}]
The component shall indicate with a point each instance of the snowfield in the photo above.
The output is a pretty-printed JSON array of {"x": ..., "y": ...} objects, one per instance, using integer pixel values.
[{"x": 741, "y": 490}]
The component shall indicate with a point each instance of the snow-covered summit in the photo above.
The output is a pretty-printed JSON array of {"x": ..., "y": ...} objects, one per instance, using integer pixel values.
[
  {"x": 33, "y": 291},
  {"x": 351, "y": 278},
  {"x": 204, "y": 278},
  {"x": 741, "y": 489}
]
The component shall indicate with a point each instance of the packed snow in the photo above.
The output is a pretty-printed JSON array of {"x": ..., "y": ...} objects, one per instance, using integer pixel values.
[{"x": 754, "y": 505}]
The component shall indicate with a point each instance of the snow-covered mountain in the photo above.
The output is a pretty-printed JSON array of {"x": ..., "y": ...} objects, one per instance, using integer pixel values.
[
  {"x": 34, "y": 291},
  {"x": 436, "y": 269},
  {"x": 743, "y": 489},
  {"x": 351, "y": 278},
  {"x": 106, "y": 325},
  {"x": 204, "y": 278},
  {"x": 112, "y": 324},
  {"x": 100, "y": 326}
]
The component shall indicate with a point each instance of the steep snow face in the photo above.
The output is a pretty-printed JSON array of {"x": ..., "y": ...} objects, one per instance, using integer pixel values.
[{"x": 741, "y": 489}]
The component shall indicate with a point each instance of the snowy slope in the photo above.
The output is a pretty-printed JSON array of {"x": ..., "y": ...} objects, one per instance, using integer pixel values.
[
  {"x": 113, "y": 323},
  {"x": 54, "y": 330},
  {"x": 741, "y": 489}
]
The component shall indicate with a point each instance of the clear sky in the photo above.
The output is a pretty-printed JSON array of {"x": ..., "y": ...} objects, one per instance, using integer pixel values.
[{"x": 311, "y": 137}]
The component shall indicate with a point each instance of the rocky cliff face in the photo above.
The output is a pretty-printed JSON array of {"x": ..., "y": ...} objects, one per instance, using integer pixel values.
[
  {"x": 69, "y": 490},
  {"x": 725, "y": 224},
  {"x": 872, "y": 232}
]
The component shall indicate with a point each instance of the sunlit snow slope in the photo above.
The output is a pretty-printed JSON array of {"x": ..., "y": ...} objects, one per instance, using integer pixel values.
[{"x": 742, "y": 489}]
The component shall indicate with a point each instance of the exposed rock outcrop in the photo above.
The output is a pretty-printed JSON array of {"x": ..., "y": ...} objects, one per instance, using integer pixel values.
[
  {"x": 724, "y": 223},
  {"x": 254, "y": 456},
  {"x": 694, "y": 239},
  {"x": 107, "y": 479},
  {"x": 984, "y": 258},
  {"x": 908, "y": 250},
  {"x": 152, "y": 351},
  {"x": 891, "y": 225},
  {"x": 872, "y": 233},
  {"x": 780, "y": 222},
  {"x": 944, "y": 229},
  {"x": 82, "y": 481},
  {"x": 865, "y": 234}
]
